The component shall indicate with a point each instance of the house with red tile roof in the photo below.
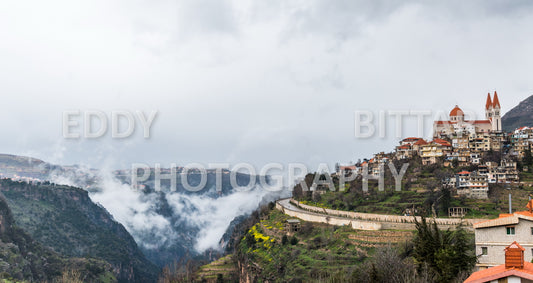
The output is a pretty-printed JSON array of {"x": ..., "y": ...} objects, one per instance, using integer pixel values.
[
  {"x": 514, "y": 269},
  {"x": 492, "y": 236},
  {"x": 434, "y": 150},
  {"x": 407, "y": 148}
]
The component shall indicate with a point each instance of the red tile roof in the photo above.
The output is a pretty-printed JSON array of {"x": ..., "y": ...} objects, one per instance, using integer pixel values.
[
  {"x": 480, "y": 122},
  {"x": 505, "y": 218},
  {"x": 489, "y": 101},
  {"x": 442, "y": 142},
  {"x": 471, "y": 122},
  {"x": 497, "y": 272},
  {"x": 444, "y": 122},
  {"x": 495, "y": 101},
  {"x": 456, "y": 111}
]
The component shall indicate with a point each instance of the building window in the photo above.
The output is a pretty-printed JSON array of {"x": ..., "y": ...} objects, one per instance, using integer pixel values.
[
  {"x": 484, "y": 251},
  {"x": 510, "y": 230},
  {"x": 531, "y": 230}
]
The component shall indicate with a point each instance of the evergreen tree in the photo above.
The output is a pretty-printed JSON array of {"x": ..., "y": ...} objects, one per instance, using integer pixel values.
[{"x": 448, "y": 253}]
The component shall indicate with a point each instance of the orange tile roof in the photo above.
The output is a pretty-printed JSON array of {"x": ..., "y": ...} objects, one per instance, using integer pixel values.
[
  {"x": 515, "y": 245},
  {"x": 503, "y": 215},
  {"x": 495, "y": 101},
  {"x": 506, "y": 219},
  {"x": 456, "y": 111},
  {"x": 420, "y": 142},
  {"x": 480, "y": 121},
  {"x": 524, "y": 213},
  {"x": 471, "y": 122},
  {"x": 404, "y": 146},
  {"x": 442, "y": 142},
  {"x": 503, "y": 219},
  {"x": 489, "y": 101},
  {"x": 444, "y": 122},
  {"x": 463, "y": 172},
  {"x": 497, "y": 272}
]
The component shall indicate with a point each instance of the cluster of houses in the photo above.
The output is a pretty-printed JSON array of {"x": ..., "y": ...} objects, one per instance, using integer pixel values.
[
  {"x": 475, "y": 184},
  {"x": 458, "y": 142}
]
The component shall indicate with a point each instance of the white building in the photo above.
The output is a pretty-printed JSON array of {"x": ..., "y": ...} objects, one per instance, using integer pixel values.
[{"x": 492, "y": 236}]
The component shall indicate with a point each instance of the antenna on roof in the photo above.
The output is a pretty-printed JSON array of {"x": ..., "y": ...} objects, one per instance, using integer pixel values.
[
  {"x": 510, "y": 205},
  {"x": 510, "y": 202}
]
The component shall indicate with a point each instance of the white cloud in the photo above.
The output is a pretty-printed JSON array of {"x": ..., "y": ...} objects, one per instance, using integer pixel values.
[{"x": 218, "y": 71}]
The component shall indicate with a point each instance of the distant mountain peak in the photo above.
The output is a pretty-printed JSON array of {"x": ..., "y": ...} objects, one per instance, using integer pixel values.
[{"x": 521, "y": 115}]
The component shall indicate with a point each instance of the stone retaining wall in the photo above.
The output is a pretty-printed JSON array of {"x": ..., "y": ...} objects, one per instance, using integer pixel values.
[
  {"x": 366, "y": 221},
  {"x": 382, "y": 217},
  {"x": 332, "y": 220}
]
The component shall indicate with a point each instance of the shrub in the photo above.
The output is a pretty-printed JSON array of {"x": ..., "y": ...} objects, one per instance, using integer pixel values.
[{"x": 294, "y": 240}]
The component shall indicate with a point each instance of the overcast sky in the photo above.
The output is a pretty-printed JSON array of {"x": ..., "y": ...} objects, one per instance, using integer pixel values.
[{"x": 250, "y": 81}]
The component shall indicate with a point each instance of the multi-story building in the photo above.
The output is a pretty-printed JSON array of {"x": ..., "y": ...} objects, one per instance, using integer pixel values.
[
  {"x": 408, "y": 147},
  {"x": 469, "y": 184},
  {"x": 521, "y": 141},
  {"x": 505, "y": 172},
  {"x": 434, "y": 150},
  {"x": 480, "y": 142},
  {"x": 492, "y": 236}
]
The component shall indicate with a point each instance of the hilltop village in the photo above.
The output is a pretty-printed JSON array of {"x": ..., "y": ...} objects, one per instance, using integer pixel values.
[{"x": 491, "y": 155}]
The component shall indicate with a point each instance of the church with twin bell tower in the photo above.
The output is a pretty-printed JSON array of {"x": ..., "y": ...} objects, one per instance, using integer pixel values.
[{"x": 457, "y": 123}]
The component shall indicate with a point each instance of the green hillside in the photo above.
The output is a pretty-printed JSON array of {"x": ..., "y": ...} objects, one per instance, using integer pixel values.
[
  {"x": 64, "y": 219},
  {"x": 24, "y": 259}
]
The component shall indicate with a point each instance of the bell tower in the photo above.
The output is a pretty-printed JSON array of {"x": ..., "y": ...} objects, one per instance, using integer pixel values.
[
  {"x": 496, "y": 114},
  {"x": 488, "y": 108}
]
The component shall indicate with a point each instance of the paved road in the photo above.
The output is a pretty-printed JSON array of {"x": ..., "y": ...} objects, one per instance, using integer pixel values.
[{"x": 286, "y": 203}]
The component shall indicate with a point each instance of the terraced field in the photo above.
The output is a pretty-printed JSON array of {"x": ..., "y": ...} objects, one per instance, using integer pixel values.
[{"x": 222, "y": 269}]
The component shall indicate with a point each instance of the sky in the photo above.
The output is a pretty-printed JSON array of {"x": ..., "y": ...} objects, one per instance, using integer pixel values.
[{"x": 250, "y": 81}]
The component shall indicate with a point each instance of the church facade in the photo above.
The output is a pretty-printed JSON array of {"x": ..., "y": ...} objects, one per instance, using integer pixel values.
[{"x": 457, "y": 125}]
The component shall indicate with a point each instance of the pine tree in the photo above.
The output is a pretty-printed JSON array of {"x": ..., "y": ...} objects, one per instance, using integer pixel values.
[{"x": 448, "y": 253}]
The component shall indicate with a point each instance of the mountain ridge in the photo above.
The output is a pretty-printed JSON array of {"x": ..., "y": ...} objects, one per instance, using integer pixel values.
[
  {"x": 64, "y": 219},
  {"x": 519, "y": 116}
]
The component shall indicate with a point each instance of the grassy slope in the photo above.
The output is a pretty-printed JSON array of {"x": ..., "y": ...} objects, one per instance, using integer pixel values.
[
  {"x": 321, "y": 251},
  {"x": 421, "y": 188}
]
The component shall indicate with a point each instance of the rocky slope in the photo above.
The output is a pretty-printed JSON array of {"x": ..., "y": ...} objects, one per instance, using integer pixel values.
[
  {"x": 65, "y": 219},
  {"x": 23, "y": 258},
  {"x": 521, "y": 115}
]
